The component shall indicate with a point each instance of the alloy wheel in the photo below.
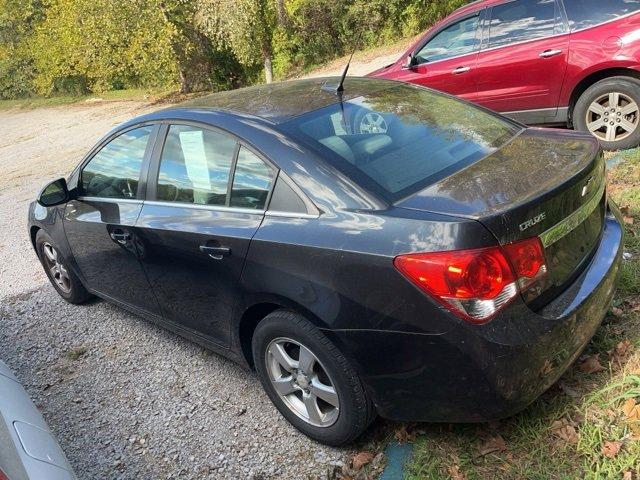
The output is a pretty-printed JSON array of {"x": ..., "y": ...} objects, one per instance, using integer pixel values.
[
  {"x": 302, "y": 382},
  {"x": 613, "y": 117},
  {"x": 373, "y": 122},
  {"x": 56, "y": 268}
]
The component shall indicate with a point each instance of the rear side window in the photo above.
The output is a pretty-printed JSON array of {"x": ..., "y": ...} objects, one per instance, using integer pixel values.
[
  {"x": 114, "y": 171},
  {"x": 457, "y": 39},
  {"x": 523, "y": 20},
  {"x": 587, "y": 13},
  {"x": 251, "y": 182},
  {"x": 195, "y": 166}
]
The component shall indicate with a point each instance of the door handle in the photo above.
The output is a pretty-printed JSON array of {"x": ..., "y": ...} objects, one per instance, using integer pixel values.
[
  {"x": 460, "y": 70},
  {"x": 550, "y": 53},
  {"x": 120, "y": 236},
  {"x": 217, "y": 253}
]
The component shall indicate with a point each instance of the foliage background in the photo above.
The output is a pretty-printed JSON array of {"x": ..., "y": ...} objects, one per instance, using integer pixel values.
[{"x": 74, "y": 47}]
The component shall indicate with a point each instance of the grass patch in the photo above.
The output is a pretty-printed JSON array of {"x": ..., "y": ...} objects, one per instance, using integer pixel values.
[{"x": 585, "y": 426}]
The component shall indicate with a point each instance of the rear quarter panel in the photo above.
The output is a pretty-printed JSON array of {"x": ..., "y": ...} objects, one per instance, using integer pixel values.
[
  {"x": 608, "y": 46},
  {"x": 338, "y": 269}
]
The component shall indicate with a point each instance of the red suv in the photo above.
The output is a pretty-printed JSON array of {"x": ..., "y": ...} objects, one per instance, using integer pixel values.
[{"x": 552, "y": 62}]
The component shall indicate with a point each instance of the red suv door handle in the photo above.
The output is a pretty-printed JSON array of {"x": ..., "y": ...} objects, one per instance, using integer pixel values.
[
  {"x": 460, "y": 70},
  {"x": 550, "y": 53}
]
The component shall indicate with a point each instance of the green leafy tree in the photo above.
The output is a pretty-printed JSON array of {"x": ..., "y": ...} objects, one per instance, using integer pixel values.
[
  {"x": 98, "y": 45},
  {"x": 17, "y": 70},
  {"x": 204, "y": 62},
  {"x": 248, "y": 27},
  {"x": 78, "y": 46}
]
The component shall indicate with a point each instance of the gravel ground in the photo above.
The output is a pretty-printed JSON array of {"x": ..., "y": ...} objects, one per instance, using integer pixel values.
[
  {"x": 125, "y": 398},
  {"x": 37, "y": 146}
]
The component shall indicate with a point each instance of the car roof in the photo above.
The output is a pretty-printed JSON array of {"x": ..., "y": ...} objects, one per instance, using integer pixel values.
[{"x": 279, "y": 102}]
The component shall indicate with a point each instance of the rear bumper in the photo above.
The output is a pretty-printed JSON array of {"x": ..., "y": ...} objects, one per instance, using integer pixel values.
[
  {"x": 471, "y": 374},
  {"x": 27, "y": 448}
]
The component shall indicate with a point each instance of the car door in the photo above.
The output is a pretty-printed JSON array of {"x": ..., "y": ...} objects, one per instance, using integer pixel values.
[
  {"x": 206, "y": 199},
  {"x": 447, "y": 60},
  {"x": 99, "y": 222},
  {"x": 524, "y": 59}
]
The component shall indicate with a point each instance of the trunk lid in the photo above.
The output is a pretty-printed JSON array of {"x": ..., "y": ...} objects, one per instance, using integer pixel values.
[{"x": 545, "y": 183}]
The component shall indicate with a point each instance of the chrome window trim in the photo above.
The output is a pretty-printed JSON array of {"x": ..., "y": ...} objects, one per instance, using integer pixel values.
[
  {"x": 566, "y": 226},
  {"x": 196, "y": 206},
  {"x": 275, "y": 213},
  {"x": 83, "y": 198},
  {"x": 476, "y": 53}
]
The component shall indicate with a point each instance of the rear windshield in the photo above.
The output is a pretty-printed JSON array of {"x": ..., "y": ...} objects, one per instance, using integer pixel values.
[{"x": 398, "y": 140}]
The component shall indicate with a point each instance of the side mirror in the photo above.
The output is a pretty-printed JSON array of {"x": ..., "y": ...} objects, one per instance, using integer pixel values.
[
  {"x": 54, "y": 193},
  {"x": 409, "y": 63}
]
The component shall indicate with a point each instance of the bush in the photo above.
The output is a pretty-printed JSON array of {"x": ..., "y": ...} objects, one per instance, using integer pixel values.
[{"x": 81, "y": 46}]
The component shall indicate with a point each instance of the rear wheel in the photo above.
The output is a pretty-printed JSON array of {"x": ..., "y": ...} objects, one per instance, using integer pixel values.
[
  {"x": 610, "y": 111},
  {"x": 309, "y": 381},
  {"x": 66, "y": 283}
]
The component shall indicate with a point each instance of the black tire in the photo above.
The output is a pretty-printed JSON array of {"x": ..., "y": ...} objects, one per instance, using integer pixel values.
[
  {"x": 630, "y": 87},
  {"x": 355, "y": 411},
  {"x": 76, "y": 292}
]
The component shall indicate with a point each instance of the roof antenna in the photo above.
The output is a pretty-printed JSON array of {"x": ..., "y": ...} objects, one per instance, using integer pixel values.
[{"x": 338, "y": 89}]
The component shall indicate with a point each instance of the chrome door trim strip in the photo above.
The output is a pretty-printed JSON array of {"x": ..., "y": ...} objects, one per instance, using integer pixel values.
[
  {"x": 566, "y": 226},
  {"x": 195, "y": 206},
  {"x": 134, "y": 201}
]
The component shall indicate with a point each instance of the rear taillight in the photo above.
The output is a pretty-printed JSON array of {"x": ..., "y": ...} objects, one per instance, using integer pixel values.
[
  {"x": 475, "y": 284},
  {"x": 528, "y": 261},
  {"x": 3, "y": 476}
]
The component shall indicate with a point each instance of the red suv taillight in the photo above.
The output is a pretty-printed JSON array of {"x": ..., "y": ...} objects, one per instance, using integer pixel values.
[{"x": 476, "y": 284}]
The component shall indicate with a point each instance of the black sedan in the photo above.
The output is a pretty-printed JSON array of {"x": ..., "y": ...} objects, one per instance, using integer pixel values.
[{"x": 384, "y": 249}]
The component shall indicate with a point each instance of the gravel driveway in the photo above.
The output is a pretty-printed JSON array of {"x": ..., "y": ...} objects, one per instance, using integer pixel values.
[{"x": 126, "y": 399}]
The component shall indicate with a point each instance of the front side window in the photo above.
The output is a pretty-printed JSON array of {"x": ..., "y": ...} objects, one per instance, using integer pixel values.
[
  {"x": 587, "y": 13},
  {"x": 251, "y": 182},
  {"x": 457, "y": 39},
  {"x": 114, "y": 171},
  {"x": 195, "y": 166},
  {"x": 523, "y": 20}
]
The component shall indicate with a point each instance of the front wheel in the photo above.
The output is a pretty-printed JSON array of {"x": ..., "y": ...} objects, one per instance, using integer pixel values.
[
  {"x": 610, "y": 111},
  {"x": 66, "y": 283},
  {"x": 309, "y": 381}
]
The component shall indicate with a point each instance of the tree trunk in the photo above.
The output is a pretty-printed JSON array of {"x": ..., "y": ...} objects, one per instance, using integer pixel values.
[
  {"x": 283, "y": 16},
  {"x": 268, "y": 69},
  {"x": 184, "y": 82}
]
